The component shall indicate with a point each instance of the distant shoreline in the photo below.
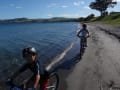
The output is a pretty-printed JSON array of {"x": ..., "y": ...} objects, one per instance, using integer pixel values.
[{"x": 26, "y": 20}]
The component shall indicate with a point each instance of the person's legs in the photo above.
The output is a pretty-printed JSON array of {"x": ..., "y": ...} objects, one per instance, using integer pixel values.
[
  {"x": 85, "y": 42},
  {"x": 44, "y": 84}
]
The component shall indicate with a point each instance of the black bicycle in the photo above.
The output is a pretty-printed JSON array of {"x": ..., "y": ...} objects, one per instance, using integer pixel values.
[
  {"x": 52, "y": 83},
  {"x": 83, "y": 44}
]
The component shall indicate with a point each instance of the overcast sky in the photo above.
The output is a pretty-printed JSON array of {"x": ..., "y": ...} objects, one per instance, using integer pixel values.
[{"x": 47, "y": 8}]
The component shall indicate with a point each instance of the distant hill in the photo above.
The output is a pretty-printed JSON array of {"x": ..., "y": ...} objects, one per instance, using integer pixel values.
[{"x": 26, "y": 20}]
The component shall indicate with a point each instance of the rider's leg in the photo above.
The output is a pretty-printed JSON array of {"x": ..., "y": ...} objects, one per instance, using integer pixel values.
[
  {"x": 44, "y": 84},
  {"x": 85, "y": 42}
]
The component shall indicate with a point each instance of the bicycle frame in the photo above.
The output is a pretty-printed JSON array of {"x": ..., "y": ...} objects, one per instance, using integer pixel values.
[
  {"x": 52, "y": 86},
  {"x": 82, "y": 45}
]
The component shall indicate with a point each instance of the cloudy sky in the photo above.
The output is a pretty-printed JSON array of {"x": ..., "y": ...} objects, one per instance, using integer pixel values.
[{"x": 47, "y": 8}]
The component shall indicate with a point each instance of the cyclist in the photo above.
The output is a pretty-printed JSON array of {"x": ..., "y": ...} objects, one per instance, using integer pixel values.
[
  {"x": 30, "y": 55},
  {"x": 83, "y": 34}
]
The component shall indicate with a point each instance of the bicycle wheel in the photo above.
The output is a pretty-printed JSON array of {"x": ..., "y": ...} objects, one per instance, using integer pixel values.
[
  {"x": 81, "y": 48},
  {"x": 53, "y": 82}
]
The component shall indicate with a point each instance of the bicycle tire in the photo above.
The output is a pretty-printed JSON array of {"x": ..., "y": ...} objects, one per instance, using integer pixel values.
[
  {"x": 53, "y": 82},
  {"x": 81, "y": 47}
]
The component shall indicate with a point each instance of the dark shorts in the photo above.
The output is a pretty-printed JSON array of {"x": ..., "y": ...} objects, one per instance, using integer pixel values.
[{"x": 83, "y": 39}]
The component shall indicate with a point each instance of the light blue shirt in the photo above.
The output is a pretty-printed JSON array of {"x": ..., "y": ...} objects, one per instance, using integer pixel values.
[{"x": 83, "y": 32}]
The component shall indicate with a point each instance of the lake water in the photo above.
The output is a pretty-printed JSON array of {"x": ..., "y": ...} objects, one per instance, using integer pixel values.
[{"x": 54, "y": 42}]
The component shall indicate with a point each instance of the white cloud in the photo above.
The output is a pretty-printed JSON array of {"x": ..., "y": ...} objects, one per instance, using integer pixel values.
[
  {"x": 64, "y": 6},
  {"x": 12, "y": 5},
  {"x": 78, "y": 3},
  {"x": 52, "y": 5},
  {"x": 69, "y": 15},
  {"x": 117, "y": 0},
  {"x": 82, "y": 2},
  {"x": 15, "y": 6},
  {"x": 18, "y": 7},
  {"x": 48, "y": 6},
  {"x": 86, "y": 7},
  {"x": 57, "y": 5},
  {"x": 50, "y": 15}
]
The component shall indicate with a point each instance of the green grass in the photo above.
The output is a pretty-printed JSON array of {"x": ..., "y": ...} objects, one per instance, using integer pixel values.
[{"x": 113, "y": 19}]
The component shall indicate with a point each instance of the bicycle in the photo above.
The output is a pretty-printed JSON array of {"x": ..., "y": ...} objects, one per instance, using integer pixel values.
[
  {"x": 83, "y": 44},
  {"x": 52, "y": 84}
]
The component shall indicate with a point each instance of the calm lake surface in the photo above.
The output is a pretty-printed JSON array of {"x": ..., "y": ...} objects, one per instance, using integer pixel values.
[{"x": 50, "y": 39}]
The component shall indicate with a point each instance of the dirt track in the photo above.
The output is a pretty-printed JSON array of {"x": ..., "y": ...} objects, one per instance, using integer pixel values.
[{"x": 100, "y": 65}]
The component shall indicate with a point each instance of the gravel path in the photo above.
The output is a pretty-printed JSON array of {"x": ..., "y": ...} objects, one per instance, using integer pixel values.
[{"x": 99, "y": 68}]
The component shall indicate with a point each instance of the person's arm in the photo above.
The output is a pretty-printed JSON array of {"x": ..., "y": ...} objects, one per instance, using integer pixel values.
[
  {"x": 88, "y": 34},
  {"x": 37, "y": 75},
  {"x": 78, "y": 33},
  {"x": 36, "y": 82}
]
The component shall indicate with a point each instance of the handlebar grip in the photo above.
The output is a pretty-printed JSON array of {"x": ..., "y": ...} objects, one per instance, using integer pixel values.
[{"x": 8, "y": 82}]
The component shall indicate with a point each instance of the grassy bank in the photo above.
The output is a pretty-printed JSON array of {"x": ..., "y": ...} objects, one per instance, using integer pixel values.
[{"x": 113, "y": 18}]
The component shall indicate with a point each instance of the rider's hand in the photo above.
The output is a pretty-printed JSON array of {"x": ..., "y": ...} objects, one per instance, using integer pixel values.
[
  {"x": 88, "y": 36},
  {"x": 9, "y": 81}
]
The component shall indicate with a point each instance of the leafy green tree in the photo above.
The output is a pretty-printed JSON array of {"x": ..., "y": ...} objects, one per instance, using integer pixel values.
[{"x": 102, "y": 5}]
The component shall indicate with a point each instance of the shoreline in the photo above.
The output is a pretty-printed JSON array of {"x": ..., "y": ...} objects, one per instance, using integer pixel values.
[
  {"x": 67, "y": 67},
  {"x": 68, "y": 74}
]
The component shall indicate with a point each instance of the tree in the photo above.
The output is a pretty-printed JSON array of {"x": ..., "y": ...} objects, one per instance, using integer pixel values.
[
  {"x": 102, "y": 5},
  {"x": 89, "y": 17}
]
